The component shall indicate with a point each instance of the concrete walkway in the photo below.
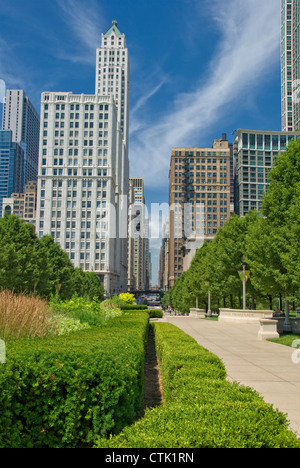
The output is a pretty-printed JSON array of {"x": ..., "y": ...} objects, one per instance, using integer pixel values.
[{"x": 262, "y": 365}]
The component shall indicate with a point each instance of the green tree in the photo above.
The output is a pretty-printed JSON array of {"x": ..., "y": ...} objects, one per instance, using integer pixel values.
[
  {"x": 22, "y": 263},
  {"x": 281, "y": 206},
  {"x": 60, "y": 268}
]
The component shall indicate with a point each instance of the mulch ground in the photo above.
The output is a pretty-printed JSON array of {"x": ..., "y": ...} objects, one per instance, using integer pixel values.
[{"x": 153, "y": 394}]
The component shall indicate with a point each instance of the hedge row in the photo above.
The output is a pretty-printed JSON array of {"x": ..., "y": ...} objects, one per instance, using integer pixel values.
[
  {"x": 62, "y": 392},
  {"x": 133, "y": 307},
  {"x": 202, "y": 409}
]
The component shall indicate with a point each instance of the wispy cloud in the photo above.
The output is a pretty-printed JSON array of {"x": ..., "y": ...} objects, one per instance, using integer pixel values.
[
  {"x": 136, "y": 124},
  {"x": 85, "y": 21},
  {"x": 249, "y": 46}
]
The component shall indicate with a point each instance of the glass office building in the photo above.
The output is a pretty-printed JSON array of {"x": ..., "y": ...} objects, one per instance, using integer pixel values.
[
  {"x": 254, "y": 153},
  {"x": 11, "y": 166},
  {"x": 290, "y": 64}
]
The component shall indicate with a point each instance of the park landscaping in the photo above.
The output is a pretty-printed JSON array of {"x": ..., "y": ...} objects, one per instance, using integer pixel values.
[
  {"x": 82, "y": 386},
  {"x": 62, "y": 390},
  {"x": 201, "y": 408}
]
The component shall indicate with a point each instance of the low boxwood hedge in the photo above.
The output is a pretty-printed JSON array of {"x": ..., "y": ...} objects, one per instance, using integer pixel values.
[
  {"x": 62, "y": 392},
  {"x": 133, "y": 307},
  {"x": 155, "y": 313},
  {"x": 202, "y": 409}
]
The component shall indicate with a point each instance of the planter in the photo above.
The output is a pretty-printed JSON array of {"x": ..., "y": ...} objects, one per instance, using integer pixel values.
[
  {"x": 268, "y": 329},
  {"x": 239, "y": 315},
  {"x": 197, "y": 313}
]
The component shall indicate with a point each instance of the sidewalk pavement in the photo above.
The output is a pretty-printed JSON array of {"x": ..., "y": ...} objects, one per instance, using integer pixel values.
[{"x": 262, "y": 365}]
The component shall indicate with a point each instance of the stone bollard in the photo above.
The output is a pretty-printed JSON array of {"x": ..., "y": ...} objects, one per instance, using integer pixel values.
[{"x": 268, "y": 329}]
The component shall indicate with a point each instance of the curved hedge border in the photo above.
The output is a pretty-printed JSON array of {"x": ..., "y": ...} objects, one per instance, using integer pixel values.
[
  {"x": 202, "y": 409},
  {"x": 62, "y": 392}
]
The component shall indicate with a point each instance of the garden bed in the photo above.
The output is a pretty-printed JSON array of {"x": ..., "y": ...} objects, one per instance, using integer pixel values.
[{"x": 64, "y": 391}]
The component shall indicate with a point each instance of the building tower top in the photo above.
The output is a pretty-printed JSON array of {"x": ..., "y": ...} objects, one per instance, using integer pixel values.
[{"x": 113, "y": 29}]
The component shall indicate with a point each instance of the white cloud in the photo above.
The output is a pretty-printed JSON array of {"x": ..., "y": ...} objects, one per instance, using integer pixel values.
[
  {"x": 85, "y": 21},
  {"x": 249, "y": 46}
]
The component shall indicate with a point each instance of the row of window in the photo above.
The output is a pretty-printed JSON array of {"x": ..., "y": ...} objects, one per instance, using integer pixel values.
[{"x": 87, "y": 107}]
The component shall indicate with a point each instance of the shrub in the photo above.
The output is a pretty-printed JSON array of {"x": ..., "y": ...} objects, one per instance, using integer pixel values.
[
  {"x": 61, "y": 392},
  {"x": 64, "y": 325},
  {"x": 92, "y": 312},
  {"x": 133, "y": 307},
  {"x": 155, "y": 313},
  {"x": 127, "y": 298},
  {"x": 202, "y": 409}
]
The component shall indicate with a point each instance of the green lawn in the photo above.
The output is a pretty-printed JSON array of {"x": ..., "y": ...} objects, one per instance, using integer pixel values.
[{"x": 286, "y": 340}]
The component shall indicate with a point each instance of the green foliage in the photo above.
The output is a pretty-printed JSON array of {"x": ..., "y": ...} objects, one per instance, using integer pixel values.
[
  {"x": 155, "y": 313},
  {"x": 40, "y": 266},
  {"x": 133, "y": 307},
  {"x": 92, "y": 312},
  {"x": 127, "y": 298},
  {"x": 62, "y": 392},
  {"x": 202, "y": 409}
]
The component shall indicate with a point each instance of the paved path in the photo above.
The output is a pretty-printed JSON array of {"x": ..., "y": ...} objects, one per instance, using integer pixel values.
[{"x": 265, "y": 366}]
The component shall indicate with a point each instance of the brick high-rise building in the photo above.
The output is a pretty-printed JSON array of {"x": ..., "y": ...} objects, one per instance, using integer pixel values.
[{"x": 199, "y": 198}]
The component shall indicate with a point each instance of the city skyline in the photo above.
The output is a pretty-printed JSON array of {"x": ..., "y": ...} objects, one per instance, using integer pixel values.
[{"x": 184, "y": 60}]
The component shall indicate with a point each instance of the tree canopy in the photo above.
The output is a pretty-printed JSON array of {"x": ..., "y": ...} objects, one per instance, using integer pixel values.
[{"x": 32, "y": 265}]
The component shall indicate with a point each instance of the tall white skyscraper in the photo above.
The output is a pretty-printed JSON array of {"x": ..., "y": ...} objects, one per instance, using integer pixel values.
[
  {"x": 112, "y": 73},
  {"x": 83, "y": 181},
  {"x": 290, "y": 64}
]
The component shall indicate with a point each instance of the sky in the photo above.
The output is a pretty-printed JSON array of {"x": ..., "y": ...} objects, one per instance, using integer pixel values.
[{"x": 198, "y": 69}]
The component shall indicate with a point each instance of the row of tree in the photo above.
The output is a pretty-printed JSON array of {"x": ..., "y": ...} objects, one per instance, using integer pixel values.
[
  {"x": 39, "y": 266},
  {"x": 268, "y": 240}
]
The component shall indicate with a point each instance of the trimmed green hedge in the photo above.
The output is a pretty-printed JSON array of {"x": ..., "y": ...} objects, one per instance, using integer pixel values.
[
  {"x": 62, "y": 392},
  {"x": 155, "y": 313},
  {"x": 133, "y": 307},
  {"x": 202, "y": 409}
]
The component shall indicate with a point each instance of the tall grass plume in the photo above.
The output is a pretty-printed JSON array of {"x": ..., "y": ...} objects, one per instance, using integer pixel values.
[{"x": 23, "y": 316}]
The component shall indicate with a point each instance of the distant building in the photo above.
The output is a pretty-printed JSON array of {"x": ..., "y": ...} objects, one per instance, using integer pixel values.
[
  {"x": 290, "y": 64},
  {"x": 23, "y": 205},
  {"x": 199, "y": 199},
  {"x": 254, "y": 154},
  {"x": 20, "y": 116},
  {"x": 138, "y": 239},
  {"x": 11, "y": 166}
]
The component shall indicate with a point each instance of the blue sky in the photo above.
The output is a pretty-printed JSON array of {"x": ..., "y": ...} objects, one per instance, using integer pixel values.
[{"x": 198, "y": 68}]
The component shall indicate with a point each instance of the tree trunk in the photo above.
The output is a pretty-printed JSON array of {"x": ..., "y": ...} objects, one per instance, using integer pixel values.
[
  {"x": 270, "y": 302},
  {"x": 280, "y": 301}
]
